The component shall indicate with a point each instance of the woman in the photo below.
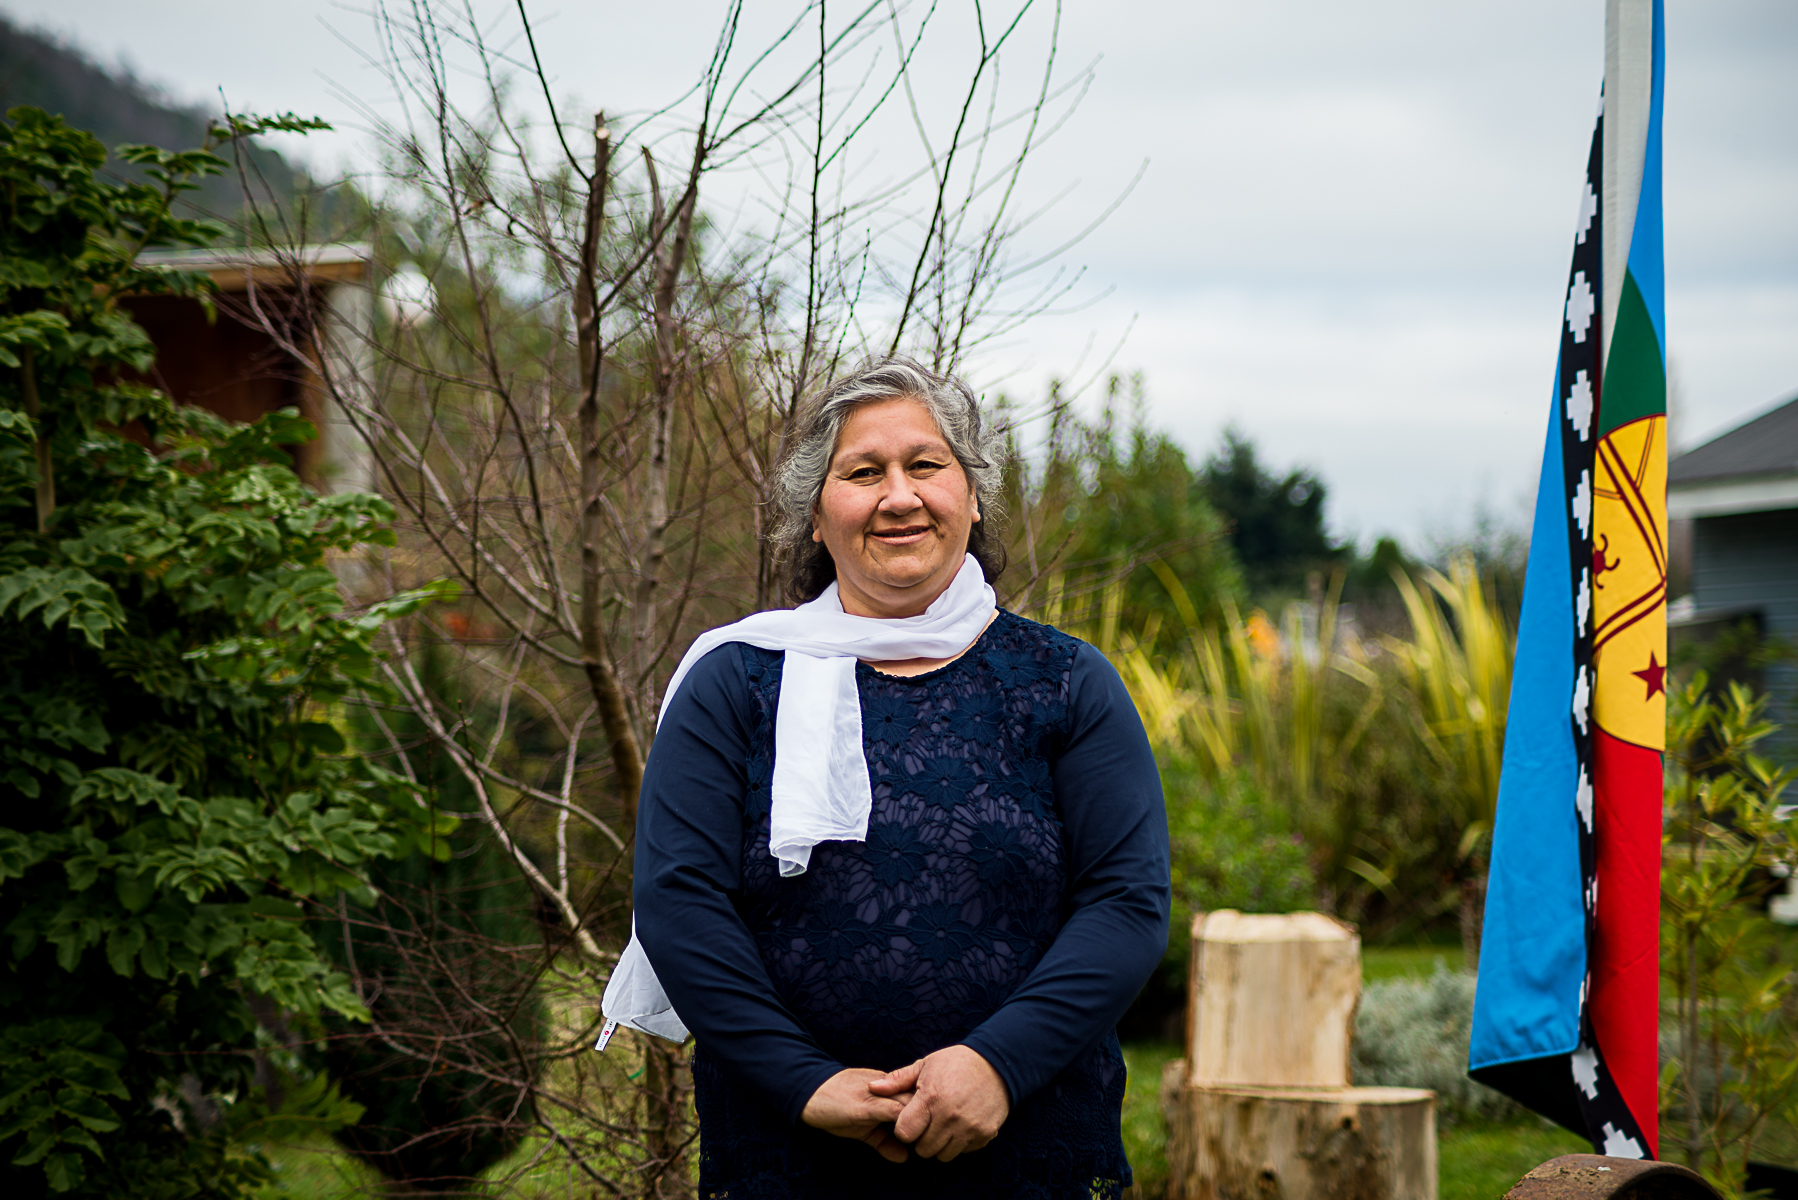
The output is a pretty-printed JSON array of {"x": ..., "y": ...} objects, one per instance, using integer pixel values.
[{"x": 901, "y": 856}]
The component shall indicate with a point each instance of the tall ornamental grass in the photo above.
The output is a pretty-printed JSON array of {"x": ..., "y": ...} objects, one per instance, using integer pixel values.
[{"x": 1381, "y": 752}]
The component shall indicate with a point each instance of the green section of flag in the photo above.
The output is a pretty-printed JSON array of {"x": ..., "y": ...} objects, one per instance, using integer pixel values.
[{"x": 1635, "y": 379}]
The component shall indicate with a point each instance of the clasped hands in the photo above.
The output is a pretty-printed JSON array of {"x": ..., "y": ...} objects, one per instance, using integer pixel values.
[{"x": 943, "y": 1105}]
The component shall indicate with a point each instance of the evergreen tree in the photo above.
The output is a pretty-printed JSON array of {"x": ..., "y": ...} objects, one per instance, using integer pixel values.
[
  {"x": 1135, "y": 519},
  {"x": 1276, "y": 522}
]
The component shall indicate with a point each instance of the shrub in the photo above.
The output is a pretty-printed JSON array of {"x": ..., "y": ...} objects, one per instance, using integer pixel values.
[
  {"x": 1729, "y": 1081},
  {"x": 175, "y": 796},
  {"x": 1231, "y": 848},
  {"x": 1382, "y": 752},
  {"x": 431, "y": 954},
  {"x": 1414, "y": 1033}
]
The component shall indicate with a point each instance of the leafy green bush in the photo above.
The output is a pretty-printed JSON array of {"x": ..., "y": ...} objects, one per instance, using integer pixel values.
[
  {"x": 1111, "y": 507},
  {"x": 175, "y": 797},
  {"x": 1231, "y": 848},
  {"x": 1414, "y": 1032},
  {"x": 1729, "y": 1080}
]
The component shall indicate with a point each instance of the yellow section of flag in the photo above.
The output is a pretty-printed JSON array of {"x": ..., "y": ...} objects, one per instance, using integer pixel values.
[{"x": 1629, "y": 583}]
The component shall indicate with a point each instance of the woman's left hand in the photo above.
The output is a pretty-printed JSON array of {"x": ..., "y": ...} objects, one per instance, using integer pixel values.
[
  {"x": 846, "y": 1106},
  {"x": 958, "y": 1102}
]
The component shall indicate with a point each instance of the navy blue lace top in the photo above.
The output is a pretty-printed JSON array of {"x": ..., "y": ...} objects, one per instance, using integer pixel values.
[{"x": 1012, "y": 895}]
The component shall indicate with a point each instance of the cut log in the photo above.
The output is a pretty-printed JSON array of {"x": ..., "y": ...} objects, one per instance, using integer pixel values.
[
  {"x": 1262, "y": 1108},
  {"x": 1350, "y": 1143},
  {"x": 1272, "y": 999}
]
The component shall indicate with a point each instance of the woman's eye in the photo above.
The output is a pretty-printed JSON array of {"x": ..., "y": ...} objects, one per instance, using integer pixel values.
[
  {"x": 863, "y": 473},
  {"x": 927, "y": 465}
]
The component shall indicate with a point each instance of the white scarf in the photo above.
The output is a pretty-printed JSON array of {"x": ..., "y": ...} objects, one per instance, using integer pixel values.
[{"x": 820, "y": 789}]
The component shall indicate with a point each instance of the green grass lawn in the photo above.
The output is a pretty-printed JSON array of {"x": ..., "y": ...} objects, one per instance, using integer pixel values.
[
  {"x": 1406, "y": 962},
  {"x": 1482, "y": 1162},
  {"x": 1145, "y": 1130},
  {"x": 317, "y": 1170}
]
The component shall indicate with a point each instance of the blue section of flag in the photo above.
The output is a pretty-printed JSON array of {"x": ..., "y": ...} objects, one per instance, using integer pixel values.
[
  {"x": 1646, "y": 263},
  {"x": 1533, "y": 947}
]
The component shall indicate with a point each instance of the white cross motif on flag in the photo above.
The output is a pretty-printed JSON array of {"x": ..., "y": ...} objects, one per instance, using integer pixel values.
[
  {"x": 1588, "y": 208},
  {"x": 1618, "y": 1144},
  {"x": 1581, "y": 304},
  {"x": 1579, "y": 401}
]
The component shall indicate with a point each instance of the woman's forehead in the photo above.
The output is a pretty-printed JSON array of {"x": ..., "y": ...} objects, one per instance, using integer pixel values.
[{"x": 901, "y": 425}]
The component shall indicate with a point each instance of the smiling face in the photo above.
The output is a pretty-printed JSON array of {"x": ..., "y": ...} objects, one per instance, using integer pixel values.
[{"x": 895, "y": 510}]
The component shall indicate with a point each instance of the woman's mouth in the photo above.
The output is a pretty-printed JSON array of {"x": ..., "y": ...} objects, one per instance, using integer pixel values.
[{"x": 903, "y": 535}]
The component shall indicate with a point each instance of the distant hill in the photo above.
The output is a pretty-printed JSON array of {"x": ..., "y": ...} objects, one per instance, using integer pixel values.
[{"x": 38, "y": 70}]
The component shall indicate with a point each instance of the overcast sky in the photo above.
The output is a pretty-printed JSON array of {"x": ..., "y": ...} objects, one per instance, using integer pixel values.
[{"x": 1353, "y": 232}]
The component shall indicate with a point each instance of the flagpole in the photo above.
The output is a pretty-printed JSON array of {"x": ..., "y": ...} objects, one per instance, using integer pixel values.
[{"x": 1629, "y": 565}]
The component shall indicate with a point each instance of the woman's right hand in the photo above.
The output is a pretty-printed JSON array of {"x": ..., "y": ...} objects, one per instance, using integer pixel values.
[{"x": 845, "y": 1107}]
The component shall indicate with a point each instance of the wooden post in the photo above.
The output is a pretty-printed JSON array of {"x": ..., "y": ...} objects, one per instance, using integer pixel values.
[
  {"x": 1262, "y": 1107},
  {"x": 1271, "y": 999}
]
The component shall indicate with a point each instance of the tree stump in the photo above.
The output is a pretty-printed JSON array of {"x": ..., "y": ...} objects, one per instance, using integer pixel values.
[
  {"x": 1262, "y": 1108},
  {"x": 1347, "y": 1143}
]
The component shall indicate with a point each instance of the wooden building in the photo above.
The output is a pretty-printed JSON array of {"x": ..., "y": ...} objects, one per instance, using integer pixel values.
[{"x": 232, "y": 364}]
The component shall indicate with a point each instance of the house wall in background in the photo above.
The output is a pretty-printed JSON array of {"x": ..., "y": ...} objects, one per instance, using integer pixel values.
[
  {"x": 227, "y": 361},
  {"x": 1749, "y": 561}
]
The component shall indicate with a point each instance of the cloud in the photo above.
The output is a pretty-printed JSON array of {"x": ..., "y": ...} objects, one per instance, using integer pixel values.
[{"x": 1353, "y": 233}]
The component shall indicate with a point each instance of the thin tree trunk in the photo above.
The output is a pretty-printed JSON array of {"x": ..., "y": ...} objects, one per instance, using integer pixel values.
[
  {"x": 664, "y": 1073},
  {"x": 602, "y": 673},
  {"x": 1473, "y": 918},
  {"x": 46, "y": 479},
  {"x": 665, "y": 1088},
  {"x": 1689, "y": 1036},
  {"x": 765, "y": 587},
  {"x": 670, "y": 258}
]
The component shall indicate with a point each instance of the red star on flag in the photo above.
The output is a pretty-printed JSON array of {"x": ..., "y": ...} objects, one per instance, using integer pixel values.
[{"x": 1655, "y": 677}]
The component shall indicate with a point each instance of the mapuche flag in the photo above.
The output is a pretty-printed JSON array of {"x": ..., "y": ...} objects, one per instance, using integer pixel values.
[{"x": 1565, "y": 1016}]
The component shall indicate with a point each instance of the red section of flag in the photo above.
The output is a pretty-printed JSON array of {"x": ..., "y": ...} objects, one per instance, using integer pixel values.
[{"x": 1625, "y": 960}]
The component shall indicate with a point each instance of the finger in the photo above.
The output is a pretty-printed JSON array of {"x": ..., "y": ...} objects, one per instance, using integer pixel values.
[
  {"x": 937, "y": 1138},
  {"x": 905, "y": 1079},
  {"x": 965, "y": 1141},
  {"x": 913, "y": 1120},
  {"x": 879, "y": 1109},
  {"x": 885, "y": 1145}
]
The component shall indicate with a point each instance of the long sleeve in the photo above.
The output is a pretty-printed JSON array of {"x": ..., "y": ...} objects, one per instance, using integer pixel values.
[
  {"x": 1114, "y": 821},
  {"x": 688, "y": 868}
]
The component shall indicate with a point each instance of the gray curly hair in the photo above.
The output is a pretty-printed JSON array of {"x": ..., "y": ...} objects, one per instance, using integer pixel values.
[{"x": 806, "y": 566}]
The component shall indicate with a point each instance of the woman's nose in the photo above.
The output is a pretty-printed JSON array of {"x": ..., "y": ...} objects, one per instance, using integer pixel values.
[{"x": 900, "y": 496}]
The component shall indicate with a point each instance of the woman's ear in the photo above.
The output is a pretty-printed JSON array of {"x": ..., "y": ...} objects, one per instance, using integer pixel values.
[{"x": 817, "y": 533}]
